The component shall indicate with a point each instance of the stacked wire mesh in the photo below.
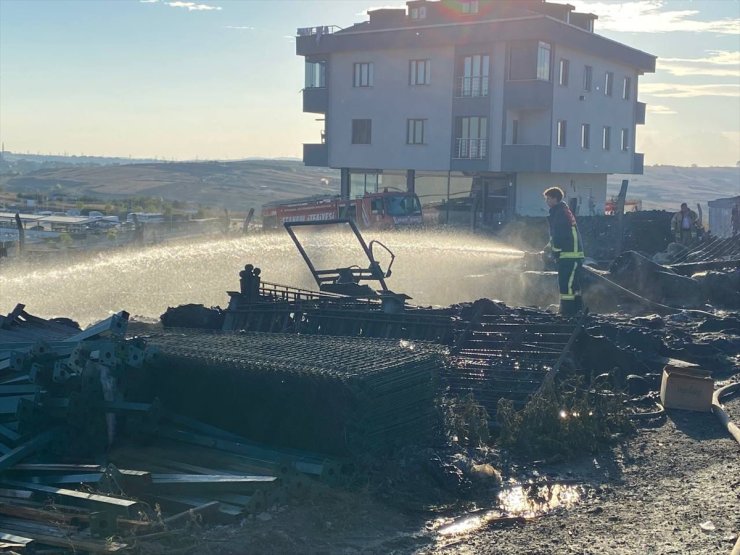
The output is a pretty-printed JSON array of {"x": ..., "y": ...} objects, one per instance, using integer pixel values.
[
  {"x": 507, "y": 356},
  {"x": 335, "y": 395},
  {"x": 717, "y": 249}
]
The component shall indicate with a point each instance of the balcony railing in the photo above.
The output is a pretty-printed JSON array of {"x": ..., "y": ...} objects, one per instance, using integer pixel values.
[
  {"x": 472, "y": 87},
  {"x": 319, "y": 30},
  {"x": 316, "y": 154},
  {"x": 640, "y": 113},
  {"x": 638, "y": 163},
  {"x": 526, "y": 158},
  {"x": 471, "y": 149},
  {"x": 315, "y": 100}
]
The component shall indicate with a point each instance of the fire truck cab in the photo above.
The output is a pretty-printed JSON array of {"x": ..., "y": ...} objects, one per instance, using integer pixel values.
[{"x": 381, "y": 210}]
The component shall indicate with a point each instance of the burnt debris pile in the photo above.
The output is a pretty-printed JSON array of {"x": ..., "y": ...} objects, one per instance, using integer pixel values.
[
  {"x": 90, "y": 462},
  {"x": 331, "y": 394}
]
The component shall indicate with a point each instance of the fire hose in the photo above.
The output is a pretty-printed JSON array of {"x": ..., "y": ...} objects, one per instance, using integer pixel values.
[
  {"x": 664, "y": 307},
  {"x": 733, "y": 428}
]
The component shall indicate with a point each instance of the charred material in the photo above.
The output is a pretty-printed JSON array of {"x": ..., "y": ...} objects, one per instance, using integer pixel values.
[{"x": 506, "y": 353}]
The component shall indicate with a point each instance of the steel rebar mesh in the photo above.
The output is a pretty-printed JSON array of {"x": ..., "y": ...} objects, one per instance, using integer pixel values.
[
  {"x": 507, "y": 356},
  {"x": 329, "y": 394}
]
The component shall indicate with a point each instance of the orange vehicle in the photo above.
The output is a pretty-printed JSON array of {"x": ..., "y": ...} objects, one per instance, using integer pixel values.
[{"x": 385, "y": 209}]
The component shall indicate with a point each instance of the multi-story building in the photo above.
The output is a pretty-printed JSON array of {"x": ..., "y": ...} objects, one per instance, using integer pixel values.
[{"x": 518, "y": 95}]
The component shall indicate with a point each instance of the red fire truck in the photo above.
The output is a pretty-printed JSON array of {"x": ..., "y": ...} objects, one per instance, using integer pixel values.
[{"x": 383, "y": 209}]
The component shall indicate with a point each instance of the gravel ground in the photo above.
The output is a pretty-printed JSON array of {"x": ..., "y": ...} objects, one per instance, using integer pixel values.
[
  {"x": 656, "y": 490},
  {"x": 651, "y": 494}
]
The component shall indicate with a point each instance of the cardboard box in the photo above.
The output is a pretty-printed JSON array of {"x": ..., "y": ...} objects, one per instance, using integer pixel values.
[{"x": 686, "y": 388}]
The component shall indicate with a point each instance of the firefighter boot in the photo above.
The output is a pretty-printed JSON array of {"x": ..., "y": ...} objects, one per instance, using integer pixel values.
[
  {"x": 578, "y": 303},
  {"x": 568, "y": 307}
]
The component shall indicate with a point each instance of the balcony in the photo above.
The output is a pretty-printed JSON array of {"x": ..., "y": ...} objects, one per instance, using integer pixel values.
[
  {"x": 526, "y": 158},
  {"x": 316, "y": 155},
  {"x": 531, "y": 94},
  {"x": 638, "y": 163},
  {"x": 471, "y": 87},
  {"x": 640, "y": 113},
  {"x": 470, "y": 149},
  {"x": 315, "y": 100}
]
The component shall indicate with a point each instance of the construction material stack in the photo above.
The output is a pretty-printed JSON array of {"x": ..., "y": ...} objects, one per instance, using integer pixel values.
[{"x": 334, "y": 395}]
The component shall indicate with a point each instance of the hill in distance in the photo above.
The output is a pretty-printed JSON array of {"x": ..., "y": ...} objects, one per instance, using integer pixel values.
[
  {"x": 666, "y": 187},
  {"x": 235, "y": 185},
  {"x": 245, "y": 184}
]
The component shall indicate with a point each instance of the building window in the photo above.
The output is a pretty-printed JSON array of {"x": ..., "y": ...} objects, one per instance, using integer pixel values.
[
  {"x": 563, "y": 78},
  {"x": 474, "y": 81},
  {"x": 515, "y": 132},
  {"x": 625, "y": 139},
  {"x": 585, "y": 135},
  {"x": 606, "y": 138},
  {"x": 587, "y": 75},
  {"x": 420, "y": 72},
  {"x": 315, "y": 75},
  {"x": 626, "y": 87},
  {"x": 561, "y": 129},
  {"x": 471, "y": 141},
  {"x": 608, "y": 83},
  {"x": 419, "y": 12},
  {"x": 361, "y": 131},
  {"x": 363, "y": 75},
  {"x": 543, "y": 61},
  {"x": 415, "y": 131},
  {"x": 470, "y": 6}
]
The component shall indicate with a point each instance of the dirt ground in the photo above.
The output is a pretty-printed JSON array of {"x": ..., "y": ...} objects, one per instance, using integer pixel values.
[{"x": 672, "y": 487}]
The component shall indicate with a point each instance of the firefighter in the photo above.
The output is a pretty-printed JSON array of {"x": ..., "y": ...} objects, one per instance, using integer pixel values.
[
  {"x": 685, "y": 225},
  {"x": 566, "y": 248}
]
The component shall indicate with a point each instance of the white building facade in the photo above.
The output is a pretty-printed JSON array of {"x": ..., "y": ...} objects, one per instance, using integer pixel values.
[{"x": 518, "y": 95}]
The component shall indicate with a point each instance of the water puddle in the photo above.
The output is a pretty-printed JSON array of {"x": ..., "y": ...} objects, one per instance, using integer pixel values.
[{"x": 515, "y": 503}]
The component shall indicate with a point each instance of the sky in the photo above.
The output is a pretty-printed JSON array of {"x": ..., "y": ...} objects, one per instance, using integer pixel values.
[{"x": 219, "y": 79}]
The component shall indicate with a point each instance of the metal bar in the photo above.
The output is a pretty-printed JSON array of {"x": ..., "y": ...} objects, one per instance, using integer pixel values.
[
  {"x": 26, "y": 449},
  {"x": 10, "y": 541},
  {"x": 65, "y": 541},
  {"x": 554, "y": 370},
  {"x": 205, "y": 509},
  {"x": 302, "y": 251},
  {"x": 116, "y": 325},
  {"x": 113, "y": 505}
]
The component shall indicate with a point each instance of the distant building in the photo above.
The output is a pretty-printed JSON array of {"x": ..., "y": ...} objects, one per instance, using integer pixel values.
[
  {"x": 518, "y": 95},
  {"x": 720, "y": 215}
]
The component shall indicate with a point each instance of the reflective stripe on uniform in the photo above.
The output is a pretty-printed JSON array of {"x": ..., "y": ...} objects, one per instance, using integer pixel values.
[
  {"x": 572, "y": 255},
  {"x": 565, "y": 297},
  {"x": 571, "y": 278},
  {"x": 574, "y": 231}
]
